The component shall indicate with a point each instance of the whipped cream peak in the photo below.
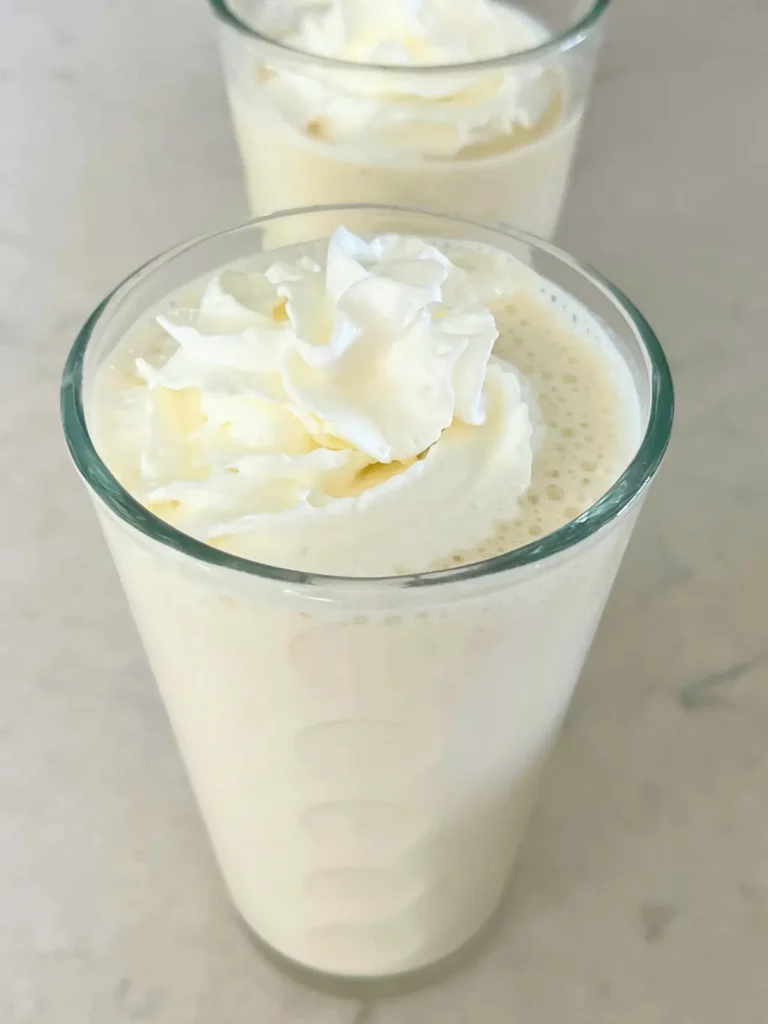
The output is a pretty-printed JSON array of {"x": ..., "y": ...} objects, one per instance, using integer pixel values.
[
  {"x": 403, "y": 32},
  {"x": 436, "y": 113},
  {"x": 292, "y": 399}
]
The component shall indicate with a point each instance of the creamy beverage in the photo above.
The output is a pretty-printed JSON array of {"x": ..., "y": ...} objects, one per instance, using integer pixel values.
[
  {"x": 365, "y": 743},
  {"x": 396, "y": 102}
]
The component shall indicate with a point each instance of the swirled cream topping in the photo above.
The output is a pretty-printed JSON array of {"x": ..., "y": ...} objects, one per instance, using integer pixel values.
[
  {"x": 344, "y": 416},
  {"x": 437, "y": 113}
]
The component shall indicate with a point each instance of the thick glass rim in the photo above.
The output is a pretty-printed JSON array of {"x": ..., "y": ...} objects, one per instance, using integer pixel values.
[
  {"x": 559, "y": 43},
  {"x": 638, "y": 474}
]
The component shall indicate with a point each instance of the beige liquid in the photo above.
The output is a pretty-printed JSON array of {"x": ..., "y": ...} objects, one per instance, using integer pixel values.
[
  {"x": 293, "y": 155},
  {"x": 365, "y": 761},
  {"x": 587, "y": 422},
  {"x": 519, "y": 181}
]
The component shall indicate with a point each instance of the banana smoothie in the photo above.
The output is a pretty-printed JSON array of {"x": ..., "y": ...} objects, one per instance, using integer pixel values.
[
  {"x": 468, "y": 106},
  {"x": 360, "y": 473}
]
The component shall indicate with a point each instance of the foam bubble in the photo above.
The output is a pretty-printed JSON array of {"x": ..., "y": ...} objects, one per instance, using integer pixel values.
[{"x": 588, "y": 411}]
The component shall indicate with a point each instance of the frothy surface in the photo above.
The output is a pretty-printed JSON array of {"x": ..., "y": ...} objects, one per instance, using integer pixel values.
[
  {"x": 580, "y": 396},
  {"x": 589, "y": 421}
]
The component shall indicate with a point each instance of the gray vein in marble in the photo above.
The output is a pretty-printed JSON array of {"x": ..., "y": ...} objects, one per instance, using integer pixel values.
[
  {"x": 707, "y": 693},
  {"x": 656, "y": 919},
  {"x": 365, "y": 1013}
]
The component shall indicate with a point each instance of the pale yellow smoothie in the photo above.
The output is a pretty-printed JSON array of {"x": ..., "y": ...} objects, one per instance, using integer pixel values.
[
  {"x": 366, "y": 408},
  {"x": 465, "y": 106}
]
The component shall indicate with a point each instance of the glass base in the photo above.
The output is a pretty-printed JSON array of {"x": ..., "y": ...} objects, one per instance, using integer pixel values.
[{"x": 383, "y": 986}]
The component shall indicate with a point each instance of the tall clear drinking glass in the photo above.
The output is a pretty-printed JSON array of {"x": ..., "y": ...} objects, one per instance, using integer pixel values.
[
  {"x": 365, "y": 751},
  {"x": 490, "y": 139}
]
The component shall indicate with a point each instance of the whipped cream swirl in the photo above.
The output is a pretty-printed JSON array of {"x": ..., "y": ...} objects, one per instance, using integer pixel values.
[
  {"x": 347, "y": 418},
  {"x": 433, "y": 114}
]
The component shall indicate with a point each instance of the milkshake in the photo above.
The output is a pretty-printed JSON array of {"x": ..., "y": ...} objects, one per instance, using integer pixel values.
[
  {"x": 367, "y": 496},
  {"x": 469, "y": 106}
]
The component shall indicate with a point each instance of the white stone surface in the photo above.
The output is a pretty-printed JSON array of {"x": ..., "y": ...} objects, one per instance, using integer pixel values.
[{"x": 642, "y": 894}]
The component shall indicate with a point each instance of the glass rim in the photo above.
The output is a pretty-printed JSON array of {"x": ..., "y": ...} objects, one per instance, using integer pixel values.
[
  {"x": 636, "y": 476},
  {"x": 559, "y": 43}
]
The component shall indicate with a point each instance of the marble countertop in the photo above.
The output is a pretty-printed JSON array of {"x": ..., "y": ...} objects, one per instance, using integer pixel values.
[{"x": 642, "y": 892}]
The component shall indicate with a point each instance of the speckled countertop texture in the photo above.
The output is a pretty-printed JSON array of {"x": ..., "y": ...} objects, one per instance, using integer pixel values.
[{"x": 642, "y": 892}]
